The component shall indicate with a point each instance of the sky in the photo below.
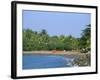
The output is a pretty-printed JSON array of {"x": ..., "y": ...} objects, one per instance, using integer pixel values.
[{"x": 56, "y": 23}]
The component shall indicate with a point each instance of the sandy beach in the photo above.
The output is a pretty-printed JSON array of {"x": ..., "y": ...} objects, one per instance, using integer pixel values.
[{"x": 65, "y": 53}]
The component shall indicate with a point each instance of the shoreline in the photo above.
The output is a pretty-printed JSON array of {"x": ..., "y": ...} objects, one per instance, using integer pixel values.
[{"x": 63, "y": 53}]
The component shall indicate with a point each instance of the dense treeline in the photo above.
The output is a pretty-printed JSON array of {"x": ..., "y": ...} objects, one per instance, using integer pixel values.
[{"x": 33, "y": 40}]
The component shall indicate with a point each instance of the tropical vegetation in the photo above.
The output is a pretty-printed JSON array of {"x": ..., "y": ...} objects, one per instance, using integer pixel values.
[{"x": 41, "y": 40}]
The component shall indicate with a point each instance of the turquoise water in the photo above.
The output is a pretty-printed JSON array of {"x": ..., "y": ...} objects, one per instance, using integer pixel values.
[{"x": 46, "y": 61}]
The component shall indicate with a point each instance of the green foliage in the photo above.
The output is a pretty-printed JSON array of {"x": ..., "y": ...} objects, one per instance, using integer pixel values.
[
  {"x": 33, "y": 40},
  {"x": 85, "y": 39}
]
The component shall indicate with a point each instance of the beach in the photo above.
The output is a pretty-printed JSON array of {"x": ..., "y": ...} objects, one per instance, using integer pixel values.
[{"x": 65, "y": 53}]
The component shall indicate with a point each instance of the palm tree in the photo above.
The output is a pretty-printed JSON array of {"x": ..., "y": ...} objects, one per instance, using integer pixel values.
[{"x": 85, "y": 39}]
